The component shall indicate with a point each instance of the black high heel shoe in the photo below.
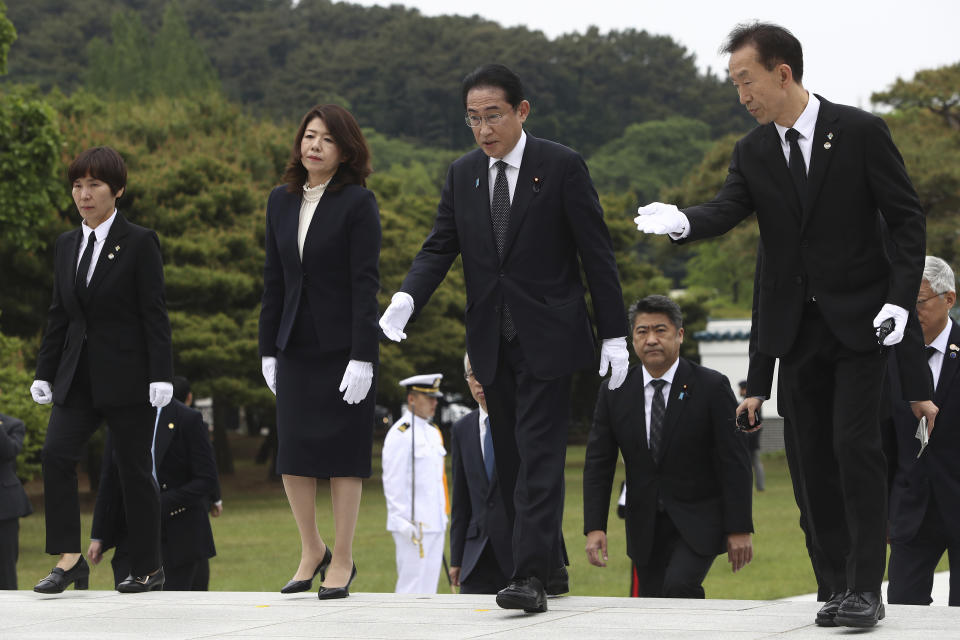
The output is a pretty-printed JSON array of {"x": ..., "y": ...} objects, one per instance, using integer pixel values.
[
  {"x": 296, "y": 586},
  {"x": 333, "y": 593},
  {"x": 58, "y": 580}
]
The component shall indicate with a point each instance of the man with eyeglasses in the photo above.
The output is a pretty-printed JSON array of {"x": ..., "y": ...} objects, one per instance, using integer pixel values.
[
  {"x": 925, "y": 483},
  {"x": 524, "y": 216}
]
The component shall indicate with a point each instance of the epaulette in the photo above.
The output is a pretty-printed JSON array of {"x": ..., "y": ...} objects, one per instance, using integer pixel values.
[{"x": 403, "y": 427}]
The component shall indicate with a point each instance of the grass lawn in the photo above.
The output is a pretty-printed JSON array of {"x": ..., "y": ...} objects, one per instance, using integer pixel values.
[{"x": 258, "y": 546}]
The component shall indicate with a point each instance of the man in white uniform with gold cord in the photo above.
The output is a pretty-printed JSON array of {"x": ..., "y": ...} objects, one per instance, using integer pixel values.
[{"x": 415, "y": 486}]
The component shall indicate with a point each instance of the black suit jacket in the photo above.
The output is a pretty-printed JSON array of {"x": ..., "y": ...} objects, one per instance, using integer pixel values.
[
  {"x": 187, "y": 474},
  {"x": 13, "y": 499},
  {"x": 555, "y": 216},
  {"x": 339, "y": 273},
  {"x": 935, "y": 473},
  {"x": 124, "y": 321},
  {"x": 834, "y": 248},
  {"x": 704, "y": 478},
  {"x": 477, "y": 512}
]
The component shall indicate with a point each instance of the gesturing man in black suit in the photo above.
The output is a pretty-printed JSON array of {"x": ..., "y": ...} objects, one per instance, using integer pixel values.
[
  {"x": 826, "y": 183},
  {"x": 925, "y": 488},
  {"x": 107, "y": 350},
  {"x": 481, "y": 560},
  {"x": 689, "y": 481},
  {"x": 187, "y": 475},
  {"x": 523, "y": 214},
  {"x": 14, "y": 503}
]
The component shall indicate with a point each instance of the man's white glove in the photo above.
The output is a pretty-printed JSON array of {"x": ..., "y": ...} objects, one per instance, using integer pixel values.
[
  {"x": 268, "y": 365},
  {"x": 356, "y": 381},
  {"x": 899, "y": 315},
  {"x": 161, "y": 393},
  {"x": 614, "y": 355},
  {"x": 660, "y": 218},
  {"x": 41, "y": 392},
  {"x": 395, "y": 318},
  {"x": 408, "y": 531}
]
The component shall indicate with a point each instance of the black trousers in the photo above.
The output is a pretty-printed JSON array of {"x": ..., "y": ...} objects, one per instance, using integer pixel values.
[
  {"x": 177, "y": 578},
  {"x": 830, "y": 400},
  {"x": 70, "y": 427},
  {"x": 9, "y": 550},
  {"x": 529, "y": 419},
  {"x": 912, "y": 563},
  {"x": 486, "y": 576},
  {"x": 673, "y": 569}
]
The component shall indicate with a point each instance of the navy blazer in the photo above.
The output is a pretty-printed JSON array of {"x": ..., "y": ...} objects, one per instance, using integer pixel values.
[
  {"x": 13, "y": 499},
  {"x": 935, "y": 473},
  {"x": 835, "y": 247},
  {"x": 187, "y": 475},
  {"x": 477, "y": 512},
  {"x": 704, "y": 478},
  {"x": 556, "y": 226},
  {"x": 124, "y": 321},
  {"x": 338, "y": 277}
]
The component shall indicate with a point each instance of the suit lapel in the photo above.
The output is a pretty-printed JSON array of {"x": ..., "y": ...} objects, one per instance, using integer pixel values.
[
  {"x": 480, "y": 186},
  {"x": 635, "y": 420},
  {"x": 772, "y": 153},
  {"x": 525, "y": 191},
  {"x": 110, "y": 253},
  {"x": 473, "y": 456},
  {"x": 68, "y": 267},
  {"x": 825, "y": 137},
  {"x": 679, "y": 390},
  {"x": 951, "y": 363},
  {"x": 166, "y": 428}
]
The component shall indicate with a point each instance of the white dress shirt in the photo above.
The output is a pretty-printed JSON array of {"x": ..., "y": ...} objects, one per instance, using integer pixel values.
[
  {"x": 512, "y": 170},
  {"x": 936, "y": 360},
  {"x": 99, "y": 237},
  {"x": 805, "y": 126},
  {"x": 483, "y": 432},
  {"x": 311, "y": 196},
  {"x": 648, "y": 391}
]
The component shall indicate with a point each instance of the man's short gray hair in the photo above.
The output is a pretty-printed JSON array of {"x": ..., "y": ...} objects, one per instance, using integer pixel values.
[{"x": 938, "y": 273}]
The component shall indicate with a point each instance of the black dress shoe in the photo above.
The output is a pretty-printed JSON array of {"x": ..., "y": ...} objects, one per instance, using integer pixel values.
[
  {"x": 332, "y": 593},
  {"x": 143, "y": 584},
  {"x": 860, "y": 609},
  {"x": 296, "y": 586},
  {"x": 558, "y": 583},
  {"x": 58, "y": 580},
  {"x": 523, "y": 593},
  {"x": 827, "y": 616}
]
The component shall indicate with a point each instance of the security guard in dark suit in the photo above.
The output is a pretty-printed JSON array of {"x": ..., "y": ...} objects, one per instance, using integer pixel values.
[{"x": 13, "y": 499}]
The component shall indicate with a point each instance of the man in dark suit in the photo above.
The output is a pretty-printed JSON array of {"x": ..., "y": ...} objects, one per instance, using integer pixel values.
[
  {"x": 14, "y": 503},
  {"x": 481, "y": 560},
  {"x": 925, "y": 485},
  {"x": 107, "y": 350},
  {"x": 524, "y": 216},
  {"x": 826, "y": 183},
  {"x": 689, "y": 482},
  {"x": 187, "y": 475}
]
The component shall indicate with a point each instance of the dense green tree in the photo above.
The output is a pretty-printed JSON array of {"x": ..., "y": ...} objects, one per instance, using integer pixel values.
[
  {"x": 16, "y": 375},
  {"x": 7, "y": 35},
  {"x": 935, "y": 90}
]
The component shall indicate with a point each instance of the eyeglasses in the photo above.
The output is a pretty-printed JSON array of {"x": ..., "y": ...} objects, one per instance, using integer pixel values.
[
  {"x": 474, "y": 121},
  {"x": 920, "y": 302}
]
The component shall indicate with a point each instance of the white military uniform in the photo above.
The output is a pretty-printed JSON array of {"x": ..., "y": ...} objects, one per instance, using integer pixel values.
[{"x": 415, "y": 574}]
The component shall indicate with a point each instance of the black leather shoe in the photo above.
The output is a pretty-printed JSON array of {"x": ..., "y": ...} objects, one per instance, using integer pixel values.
[
  {"x": 143, "y": 584},
  {"x": 860, "y": 609},
  {"x": 58, "y": 580},
  {"x": 296, "y": 586},
  {"x": 332, "y": 593},
  {"x": 558, "y": 583},
  {"x": 827, "y": 616},
  {"x": 523, "y": 593}
]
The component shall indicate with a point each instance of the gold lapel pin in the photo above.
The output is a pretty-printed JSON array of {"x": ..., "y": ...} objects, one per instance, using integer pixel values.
[
  {"x": 827, "y": 145},
  {"x": 110, "y": 256},
  {"x": 954, "y": 347},
  {"x": 170, "y": 426}
]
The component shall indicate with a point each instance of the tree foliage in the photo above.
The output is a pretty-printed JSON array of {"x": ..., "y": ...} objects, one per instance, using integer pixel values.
[
  {"x": 936, "y": 90},
  {"x": 16, "y": 374},
  {"x": 7, "y": 35}
]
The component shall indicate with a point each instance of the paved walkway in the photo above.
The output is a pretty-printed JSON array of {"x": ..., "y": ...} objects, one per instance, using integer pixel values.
[
  {"x": 940, "y": 593},
  {"x": 107, "y": 615}
]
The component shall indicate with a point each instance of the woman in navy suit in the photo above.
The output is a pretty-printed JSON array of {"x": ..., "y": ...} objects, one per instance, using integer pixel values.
[{"x": 319, "y": 334}]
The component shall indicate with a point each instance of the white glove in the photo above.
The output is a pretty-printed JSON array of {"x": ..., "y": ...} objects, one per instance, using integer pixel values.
[
  {"x": 395, "y": 318},
  {"x": 161, "y": 393},
  {"x": 408, "y": 531},
  {"x": 660, "y": 218},
  {"x": 899, "y": 315},
  {"x": 268, "y": 365},
  {"x": 41, "y": 392},
  {"x": 614, "y": 355},
  {"x": 356, "y": 381}
]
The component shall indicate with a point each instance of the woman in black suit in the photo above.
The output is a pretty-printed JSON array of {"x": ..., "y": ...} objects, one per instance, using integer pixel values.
[
  {"x": 105, "y": 357},
  {"x": 319, "y": 334}
]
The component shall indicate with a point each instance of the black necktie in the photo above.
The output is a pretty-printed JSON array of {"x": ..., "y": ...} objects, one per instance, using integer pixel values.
[
  {"x": 798, "y": 170},
  {"x": 500, "y": 215},
  {"x": 84, "y": 267},
  {"x": 488, "y": 460},
  {"x": 658, "y": 409},
  {"x": 929, "y": 351}
]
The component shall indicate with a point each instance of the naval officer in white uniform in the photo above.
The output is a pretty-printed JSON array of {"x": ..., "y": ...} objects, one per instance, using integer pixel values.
[{"x": 415, "y": 486}]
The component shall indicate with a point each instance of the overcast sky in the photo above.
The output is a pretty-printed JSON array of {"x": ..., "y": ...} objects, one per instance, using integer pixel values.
[{"x": 851, "y": 47}]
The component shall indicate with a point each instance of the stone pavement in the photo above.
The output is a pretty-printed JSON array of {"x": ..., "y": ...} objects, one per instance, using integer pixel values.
[{"x": 106, "y": 615}]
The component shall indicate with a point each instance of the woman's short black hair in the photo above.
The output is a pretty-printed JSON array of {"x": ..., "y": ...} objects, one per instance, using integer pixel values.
[
  {"x": 494, "y": 75},
  {"x": 102, "y": 163},
  {"x": 354, "y": 151}
]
